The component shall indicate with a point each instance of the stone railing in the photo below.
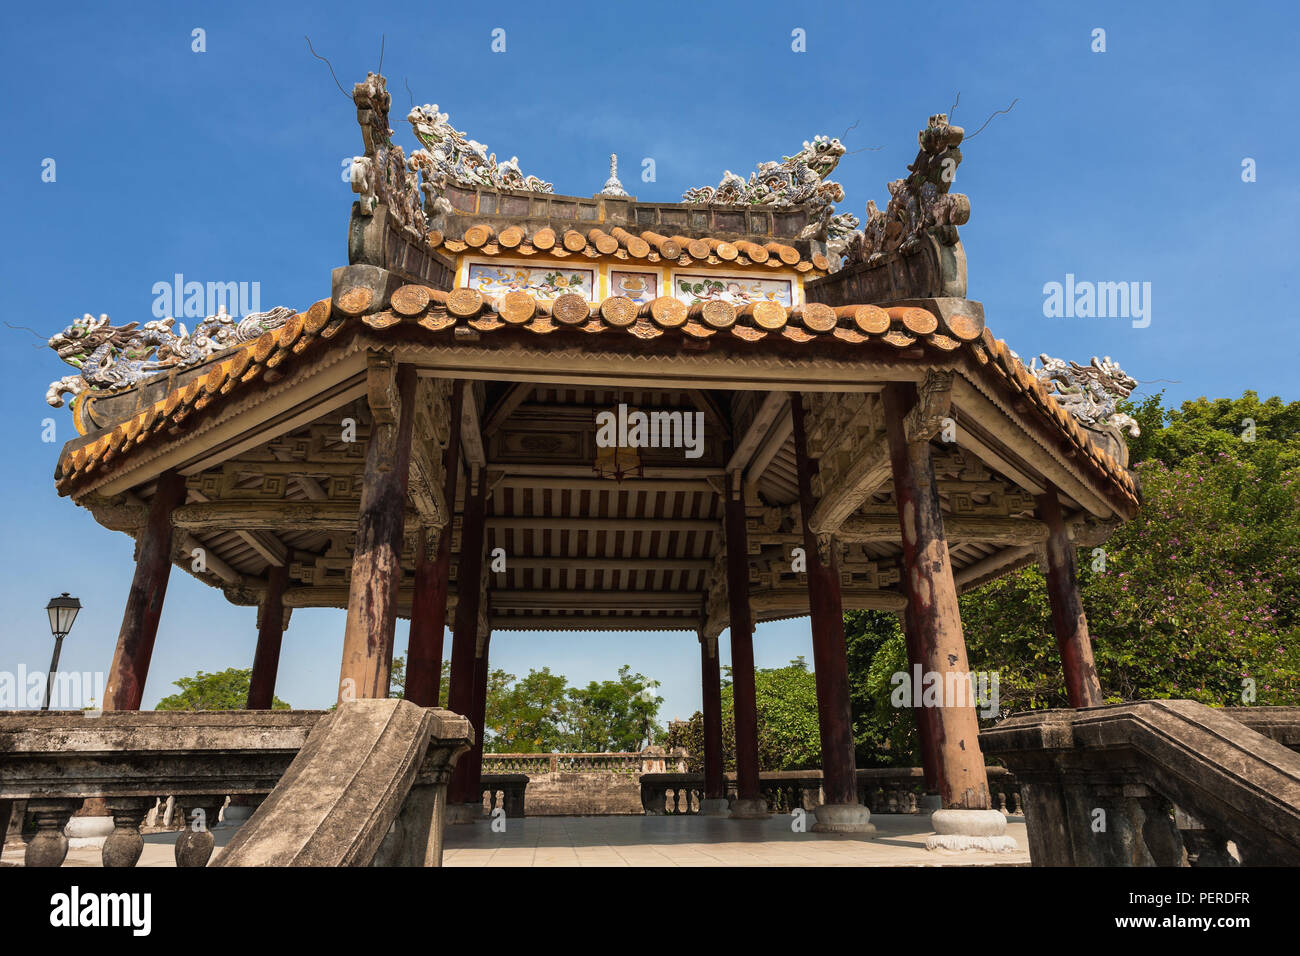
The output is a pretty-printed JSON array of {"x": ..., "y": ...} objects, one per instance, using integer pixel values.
[
  {"x": 1156, "y": 783},
  {"x": 630, "y": 763},
  {"x": 504, "y": 790},
  {"x": 353, "y": 787},
  {"x": 882, "y": 790}
]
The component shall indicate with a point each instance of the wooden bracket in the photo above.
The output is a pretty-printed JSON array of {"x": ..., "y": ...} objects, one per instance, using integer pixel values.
[
  {"x": 381, "y": 388},
  {"x": 934, "y": 404}
]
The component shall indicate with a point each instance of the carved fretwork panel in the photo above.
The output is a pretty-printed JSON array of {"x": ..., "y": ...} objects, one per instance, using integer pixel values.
[{"x": 985, "y": 498}]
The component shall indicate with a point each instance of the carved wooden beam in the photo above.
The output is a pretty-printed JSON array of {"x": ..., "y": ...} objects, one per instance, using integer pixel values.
[
  {"x": 510, "y": 522},
  {"x": 272, "y": 549},
  {"x": 866, "y": 475},
  {"x": 957, "y": 528},
  {"x": 776, "y": 438},
  {"x": 593, "y": 600},
  {"x": 515, "y": 396},
  {"x": 743, "y": 451},
  {"x": 852, "y": 598},
  {"x": 471, "y": 435},
  {"x": 284, "y": 515}
]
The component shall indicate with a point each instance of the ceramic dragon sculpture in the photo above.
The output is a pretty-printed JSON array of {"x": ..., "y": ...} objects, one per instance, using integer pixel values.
[
  {"x": 112, "y": 357},
  {"x": 796, "y": 179},
  {"x": 919, "y": 202},
  {"x": 447, "y": 154},
  {"x": 382, "y": 176},
  {"x": 1089, "y": 392}
]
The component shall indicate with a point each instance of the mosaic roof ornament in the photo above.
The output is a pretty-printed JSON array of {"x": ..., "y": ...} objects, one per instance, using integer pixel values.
[
  {"x": 1091, "y": 392},
  {"x": 448, "y": 155},
  {"x": 612, "y": 186},
  {"x": 917, "y": 203},
  {"x": 795, "y": 180},
  {"x": 112, "y": 357},
  {"x": 382, "y": 176}
]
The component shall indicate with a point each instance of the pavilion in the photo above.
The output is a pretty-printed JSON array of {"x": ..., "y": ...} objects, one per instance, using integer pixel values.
[{"x": 426, "y": 442}]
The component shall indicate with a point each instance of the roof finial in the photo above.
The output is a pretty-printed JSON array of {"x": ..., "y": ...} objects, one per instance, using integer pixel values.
[{"x": 612, "y": 186}]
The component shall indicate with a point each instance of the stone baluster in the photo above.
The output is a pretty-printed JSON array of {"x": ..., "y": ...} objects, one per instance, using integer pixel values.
[
  {"x": 199, "y": 813},
  {"x": 49, "y": 846},
  {"x": 122, "y": 847}
]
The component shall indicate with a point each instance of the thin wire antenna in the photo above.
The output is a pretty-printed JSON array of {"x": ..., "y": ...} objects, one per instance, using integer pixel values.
[
  {"x": 990, "y": 119},
  {"x": 408, "y": 91},
  {"x": 954, "y": 106},
  {"x": 865, "y": 149},
  {"x": 382, "y": 39},
  {"x": 327, "y": 63},
  {"x": 24, "y": 328},
  {"x": 849, "y": 130}
]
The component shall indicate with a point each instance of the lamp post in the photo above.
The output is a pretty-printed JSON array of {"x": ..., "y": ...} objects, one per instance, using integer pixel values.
[{"x": 62, "y": 611}]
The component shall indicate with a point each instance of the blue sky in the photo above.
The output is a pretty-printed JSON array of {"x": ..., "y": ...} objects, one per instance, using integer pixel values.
[{"x": 225, "y": 166}]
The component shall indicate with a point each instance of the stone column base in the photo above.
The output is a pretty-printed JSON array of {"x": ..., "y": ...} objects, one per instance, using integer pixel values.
[
  {"x": 959, "y": 830},
  {"x": 714, "y": 807},
  {"x": 749, "y": 809},
  {"x": 465, "y": 812},
  {"x": 235, "y": 814},
  {"x": 88, "y": 831},
  {"x": 843, "y": 818}
]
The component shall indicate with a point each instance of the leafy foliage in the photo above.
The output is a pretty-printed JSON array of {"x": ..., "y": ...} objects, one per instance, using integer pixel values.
[{"x": 224, "y": 690}]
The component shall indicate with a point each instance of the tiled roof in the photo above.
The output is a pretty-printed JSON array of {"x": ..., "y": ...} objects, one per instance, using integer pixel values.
[
  {"x": 435, "y": 311},
  {"x": 619, "y": 244}
]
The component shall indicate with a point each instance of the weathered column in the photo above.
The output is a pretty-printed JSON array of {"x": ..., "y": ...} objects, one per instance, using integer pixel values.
[
  {"x": 473, "y": 760},
  {"x": 966, "y": 820},
  {"x": 464, "y": 641},
  {"x": 714, "y": 802},
  {"x": 377, "y": 560},
  {"x": 266, "y": 659},
  {"x": 841, "y": 812},
  {"x": 432, "y": 574},
  {"x": 749, "y": 802},
  {"x": 153, "y": 565},
  {"x": 926, "y": 719},
  {"x": 1068, "y": 620}
]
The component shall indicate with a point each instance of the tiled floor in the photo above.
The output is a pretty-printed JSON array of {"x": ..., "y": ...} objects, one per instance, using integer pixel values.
[
  {"x": 899, "y": 840},
  {"x": 706, "y": 841}
]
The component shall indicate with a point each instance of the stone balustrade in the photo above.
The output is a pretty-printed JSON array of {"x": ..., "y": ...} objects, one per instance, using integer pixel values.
[
  {"x": 391, "y": 755},
  {"x": 505, "y": 790},
  {"x": 882, "y": 790},
  {"x": 1156, "y": 783}
]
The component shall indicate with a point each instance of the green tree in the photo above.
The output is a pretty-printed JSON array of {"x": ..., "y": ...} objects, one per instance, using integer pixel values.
[
  {"x": 530, "y": 715},
  {"x": 224, "y": 690},
  {"x": 614, "y": 715}
]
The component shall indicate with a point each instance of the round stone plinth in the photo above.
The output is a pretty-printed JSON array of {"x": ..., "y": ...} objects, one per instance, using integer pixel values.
[
  {"x": 958, "y": 830},
  {"x": 88, "y": 831},
  {"x": 715, "y": 807},
  {"x": 465, "y": 812},
  {"x": 749, "y": 810},
  {"x": 843, "y": 818}
]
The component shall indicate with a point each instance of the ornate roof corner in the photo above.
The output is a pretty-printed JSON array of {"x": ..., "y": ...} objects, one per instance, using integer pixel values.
[
  {"x": 1091, "y": 393},
  {"x": 612, "y": 185},
  {"x": 917, "y": 204},
  {"x": 381, "y": 176},
  {"x": 111, "y": 358}
]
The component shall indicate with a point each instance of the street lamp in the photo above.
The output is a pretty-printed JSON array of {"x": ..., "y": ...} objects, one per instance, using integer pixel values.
[{"x": 62, "y": 611}]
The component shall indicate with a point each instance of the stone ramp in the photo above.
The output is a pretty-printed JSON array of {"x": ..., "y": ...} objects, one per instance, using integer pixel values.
[
  {"x": 364, "y": 770},
  {"x": 1177, "y": 780}
]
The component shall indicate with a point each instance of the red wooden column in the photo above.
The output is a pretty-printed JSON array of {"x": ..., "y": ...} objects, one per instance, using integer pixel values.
[
  {"x": 153, "y": 565},
  {"x": 932, "y": 609},
  {"x": 928, "y": 729},
  {"x": 749, "y": 799},
  {"x": 715, "y": 786},
  {"x": 1068, "y": 620},
  {"x": 377, "y": 560},
  {"x": 432, "y": 573},
  {"x": 464, "y": 641},
  {"x": 478, "y": 717},
  {"x": 841, "y": 812},
  {"x": 266, "y": 659}
]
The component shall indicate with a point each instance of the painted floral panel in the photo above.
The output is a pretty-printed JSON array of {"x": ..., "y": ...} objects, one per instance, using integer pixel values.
[
  {"x": 545, "y": 282},
  {"x": 738, "y": 289},
  {"x": 637, "y": 286}
]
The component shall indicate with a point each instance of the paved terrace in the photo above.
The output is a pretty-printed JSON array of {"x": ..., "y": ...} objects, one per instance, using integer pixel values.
[{"x": 659, "y": 841}]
